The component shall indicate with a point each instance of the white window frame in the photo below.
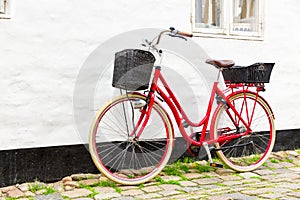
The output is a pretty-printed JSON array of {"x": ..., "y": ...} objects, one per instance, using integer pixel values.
[
  {"x": 6, "y": 9},
  {"x": 227, "y": 23}
]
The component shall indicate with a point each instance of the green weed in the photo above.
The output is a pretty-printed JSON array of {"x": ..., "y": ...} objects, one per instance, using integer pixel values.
[
  {"x": 257, "y": 177},
  {"x": 202, "y": 168},
  {"x": 162, "y": 181},
  {"x": 274, "y": 160}
]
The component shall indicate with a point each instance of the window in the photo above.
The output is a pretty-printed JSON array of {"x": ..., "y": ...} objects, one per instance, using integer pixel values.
[
  {"x": 5, "y": 9},
  {"x": 240, "y": 19}
]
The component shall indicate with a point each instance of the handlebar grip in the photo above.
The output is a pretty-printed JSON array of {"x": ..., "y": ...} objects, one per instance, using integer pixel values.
[{"x": 185, "y": 34}]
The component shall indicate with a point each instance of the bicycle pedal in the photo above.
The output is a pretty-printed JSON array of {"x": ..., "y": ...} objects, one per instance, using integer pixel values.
[{"x": 216, "y": 165}]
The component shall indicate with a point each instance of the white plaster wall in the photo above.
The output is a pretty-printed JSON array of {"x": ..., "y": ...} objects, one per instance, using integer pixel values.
[{"x": 46, "y": 43}]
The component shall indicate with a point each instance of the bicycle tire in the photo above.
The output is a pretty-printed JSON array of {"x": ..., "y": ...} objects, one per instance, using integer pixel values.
[
  {"x": 251, "y": 151},
  {"x": 116, "y": 154}
]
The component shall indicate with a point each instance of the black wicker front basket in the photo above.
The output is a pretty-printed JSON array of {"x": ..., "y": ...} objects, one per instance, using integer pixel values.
[
  {"x": 132, "y": 69},
  {"x": 256, "y": 73}
]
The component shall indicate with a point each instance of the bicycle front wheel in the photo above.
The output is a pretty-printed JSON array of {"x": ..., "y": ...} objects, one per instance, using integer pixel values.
[
  {"x": 249, "y": 152},
  {"x": 119, "y": 152}
]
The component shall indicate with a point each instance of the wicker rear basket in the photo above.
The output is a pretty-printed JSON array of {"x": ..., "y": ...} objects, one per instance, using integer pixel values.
[
  {"x": 132, "y": 69},
  {"x": 256, "y": 73}
]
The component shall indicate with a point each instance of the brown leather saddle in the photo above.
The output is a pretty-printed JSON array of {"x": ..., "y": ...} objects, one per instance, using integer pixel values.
[{"x": 220, "y": 63}]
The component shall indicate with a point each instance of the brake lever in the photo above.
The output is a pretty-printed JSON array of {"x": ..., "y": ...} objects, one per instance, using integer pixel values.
[{"x": 179, "y": 36}]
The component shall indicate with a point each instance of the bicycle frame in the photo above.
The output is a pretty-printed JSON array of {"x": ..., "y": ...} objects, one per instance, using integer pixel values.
[{"x": 180, "y": 115}]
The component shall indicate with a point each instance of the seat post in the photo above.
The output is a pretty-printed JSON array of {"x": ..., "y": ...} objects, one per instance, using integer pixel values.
[{"x": 220, "y": 70}]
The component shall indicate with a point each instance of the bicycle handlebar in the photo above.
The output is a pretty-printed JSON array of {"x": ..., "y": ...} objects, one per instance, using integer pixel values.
[
  {"x": 182, "y": 33},
  {"x": 173, "y": 31}
]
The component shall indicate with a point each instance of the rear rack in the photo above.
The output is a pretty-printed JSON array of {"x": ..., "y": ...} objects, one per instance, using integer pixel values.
[{"x": 259, "y": 86}]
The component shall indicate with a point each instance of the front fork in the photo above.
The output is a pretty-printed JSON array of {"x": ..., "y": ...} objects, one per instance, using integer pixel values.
[{"x": 145, "y": 109}]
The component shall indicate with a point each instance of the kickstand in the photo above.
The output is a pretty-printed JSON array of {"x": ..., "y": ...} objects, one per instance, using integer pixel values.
[{"x": 211, "y": 163}]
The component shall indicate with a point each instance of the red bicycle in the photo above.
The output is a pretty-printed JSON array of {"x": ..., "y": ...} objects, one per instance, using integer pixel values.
[{"x": 132, "y": 136}]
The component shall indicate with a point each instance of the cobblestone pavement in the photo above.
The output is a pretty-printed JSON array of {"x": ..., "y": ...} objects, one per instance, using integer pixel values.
[{"x": 279, "y": 178}]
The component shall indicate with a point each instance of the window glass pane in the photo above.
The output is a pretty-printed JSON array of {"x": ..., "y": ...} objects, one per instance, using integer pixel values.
[
  {"x": 245, "y": 15},
  {"x": 2, "y": 6},
  {"x": 208, "y": 13}
]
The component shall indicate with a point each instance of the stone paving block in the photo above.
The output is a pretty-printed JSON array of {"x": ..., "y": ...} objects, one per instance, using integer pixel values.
[
  {"x": 106, "y": 196},
  {"x": 278, "y": 180},
  {"x": 71, "y": 184},
  {"x": 289, "y": 176},
  {"x": 151, "y": 189},
  {"x": 82, "y": 192},
  {"x": 24, "y": 198},
  {"x": 210, "y": 187},
  {"x": 42, "y": 191},
  {"x": 150, "y": 184},
  {"x": 288, "y": 198},
  {"x": 54, "y": 196},
  {"x": 23, "y": 187},
  {"x": 135, "y": 192},
  {"x": 207, "y": 181},
  {"x": 186, "y": 197},
  {"x": 247, "y": 175},
  {"x": 15, "y": 193},
  {"x": 236, "y": 196},
  {"x": 6, "y": 189},
  {"x": 260, "y": 191},
  {"x": 124, "y": 198},
  {"x": 225, "y": 172},
  {"x": 251, "y": 181},
  {"x": 231, "y": 178},
  {"x": 170, "y": 187},
  {"x": 201, "y": 191},
  {"x": 294, "y": 194},
  {"x": 193, "y": 175},
  {"x": 282, "y": 170},
  {"x": 29, "y": 194},
  {"x": 232, "y": 183},
  {"x": 89, "y": 182},
  {"x": 292, "y": 153},
  {"x": 104, "y": 189},
  {"x": 271, "y": 196},
  {"x": 189, "y": 189},
  {"x": 210, "y": 174},
  {"x": 130, "y": 187},
  {"x": 274, "y": 165},
  {"x": 187, "y": 183},
  {"x": 170, "y": 178},
  {"x": 84, "y": 198},
  {"x": 169, "y": 192},
  {"x": 291, "y": 186},
  {"x": 58, "y": 186},
  {"x": 148, "y": 196},
  {"x": 295, "y": 169},
  {"x": 79, "y": 177},
  {"x": 287, "y": 164},
  {"x": 262, "y": 172}
]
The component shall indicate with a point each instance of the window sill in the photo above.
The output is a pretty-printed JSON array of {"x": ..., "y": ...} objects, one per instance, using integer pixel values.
[
  {"x": 226, "y": 36},
  {"x": 5, "y": 16}
]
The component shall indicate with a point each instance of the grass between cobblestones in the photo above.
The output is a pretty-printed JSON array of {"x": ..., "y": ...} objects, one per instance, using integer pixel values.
[
  {"x": 179, "y": 170},
  {"x": 100, "y": 184}
]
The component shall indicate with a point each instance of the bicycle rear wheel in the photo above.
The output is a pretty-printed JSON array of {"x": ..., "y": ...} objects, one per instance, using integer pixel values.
[
  {"x": 115, "y": 148},
  {"x": 249, "y": 152}
]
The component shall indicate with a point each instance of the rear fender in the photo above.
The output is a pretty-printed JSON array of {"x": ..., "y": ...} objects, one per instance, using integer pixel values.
[{"x": 248, "y": 91}]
